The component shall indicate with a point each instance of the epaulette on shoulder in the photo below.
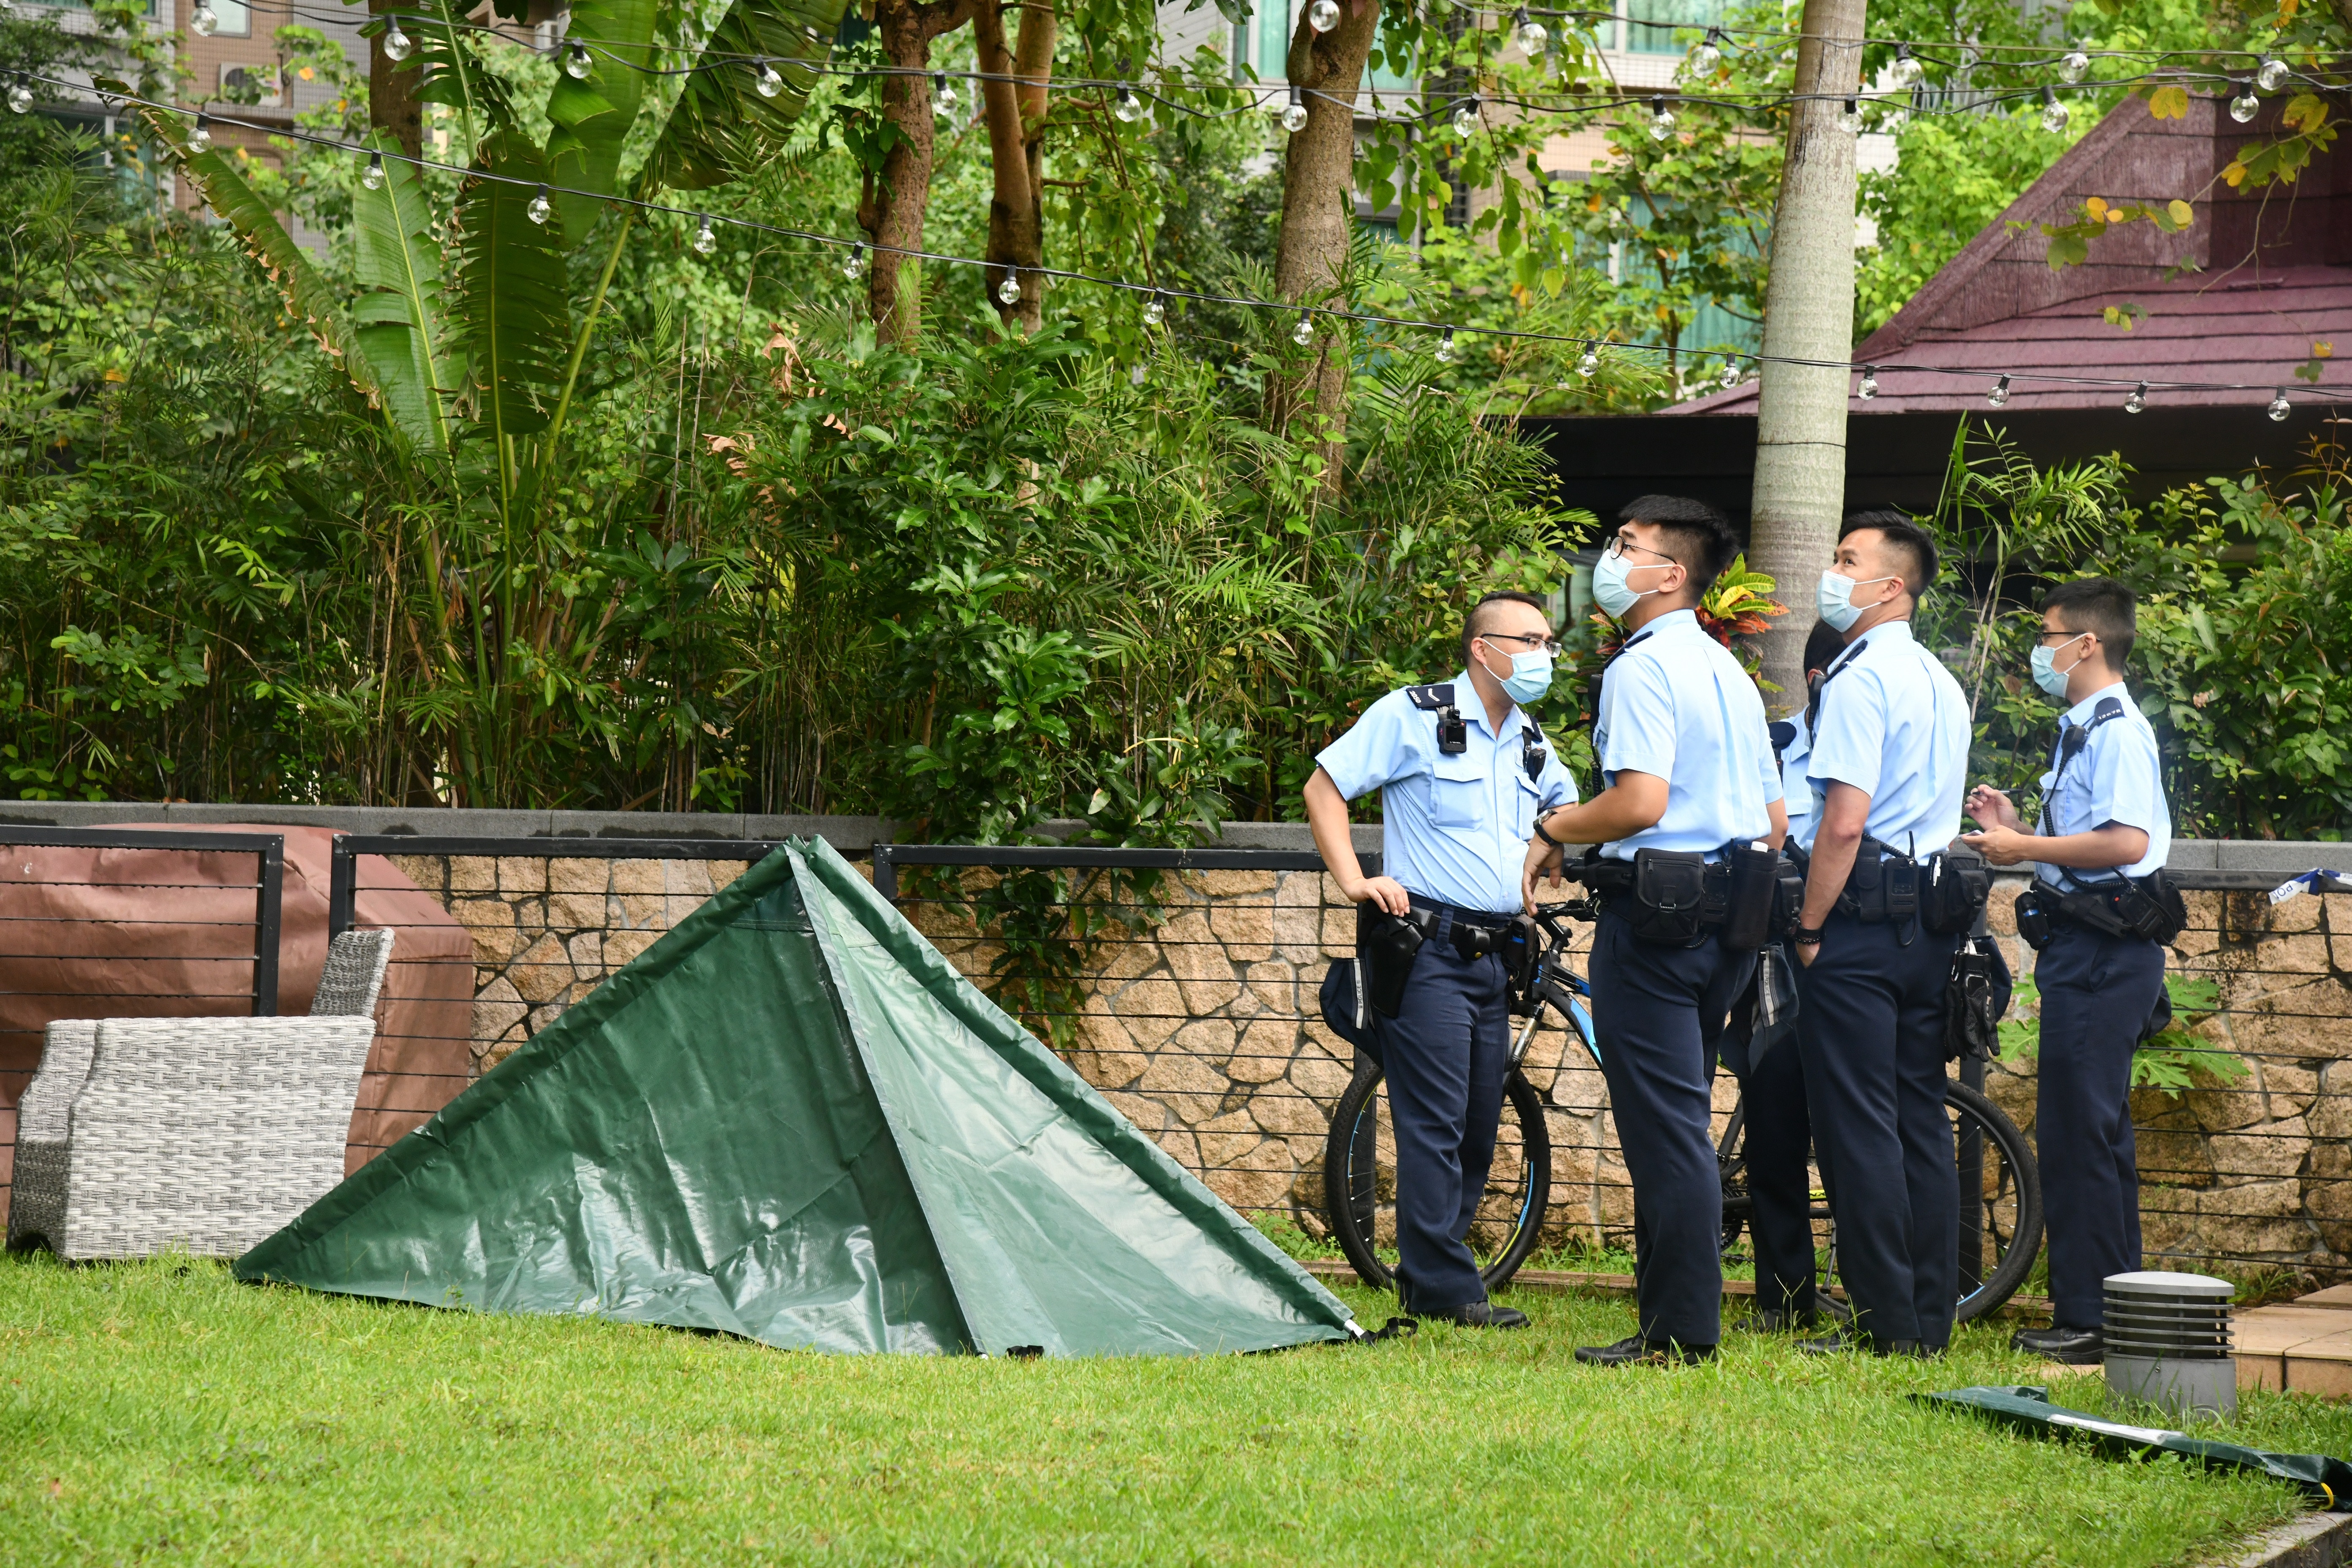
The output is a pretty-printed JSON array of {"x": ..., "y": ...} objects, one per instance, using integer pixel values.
[
  {"x": 2109, "y": 707},
  {"x": 1430, "y": 699}
]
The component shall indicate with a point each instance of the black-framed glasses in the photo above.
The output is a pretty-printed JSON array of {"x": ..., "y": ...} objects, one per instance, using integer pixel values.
[
  {"x": 1535, "y": 639},
  {"x": 1618, "y": 546},
  {"x": 2044, "y": 636}
]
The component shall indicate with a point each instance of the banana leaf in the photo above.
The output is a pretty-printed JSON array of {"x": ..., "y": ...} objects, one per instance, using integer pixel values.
[
  {"x": 592, "y": 118},
  {"x": 513, "y": 309},
  {"x": 722, "y": 128},
  {"x": 398, "y": 322}
]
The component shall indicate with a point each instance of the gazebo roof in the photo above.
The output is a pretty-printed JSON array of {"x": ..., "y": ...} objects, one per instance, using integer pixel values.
[{"x": 2245, "y": 294}]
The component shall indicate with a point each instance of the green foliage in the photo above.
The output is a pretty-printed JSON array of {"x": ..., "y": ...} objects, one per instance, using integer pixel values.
[{"x": 2174, "y": 1061}]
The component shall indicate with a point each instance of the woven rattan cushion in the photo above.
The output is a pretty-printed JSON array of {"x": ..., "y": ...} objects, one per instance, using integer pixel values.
[
  {"x": 36, "y": 1195},
  {"x": 353, "y": 975}
]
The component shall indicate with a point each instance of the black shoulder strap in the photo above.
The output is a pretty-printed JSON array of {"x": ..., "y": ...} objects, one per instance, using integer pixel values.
[
  {"x": 2072, "y": 738},
  {"x": 1431, "y": 699},
  {"x": 1533, "y": 750},
  {"x": 1814, "y": 707}
]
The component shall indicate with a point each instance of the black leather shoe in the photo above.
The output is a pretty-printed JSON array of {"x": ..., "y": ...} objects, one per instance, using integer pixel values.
[
  {"x": 1635, "y": 1351},
  {"x": 1479, "y": 1315},
  {"x": 1846, "y": 1341},
  {"x": 2068, "y": 1347}
]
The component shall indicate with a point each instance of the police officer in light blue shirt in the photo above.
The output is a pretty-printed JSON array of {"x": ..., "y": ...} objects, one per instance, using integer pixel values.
[
  {"x": 1462, "y": 773},
  {"x": 1688, "y": 764},
  {"x": 2103, "y": 820},
  {"x": 1888, "y": 764}
]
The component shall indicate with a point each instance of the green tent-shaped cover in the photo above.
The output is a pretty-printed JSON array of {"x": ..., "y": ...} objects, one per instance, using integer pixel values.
[{"x": 791, "y": 1119}]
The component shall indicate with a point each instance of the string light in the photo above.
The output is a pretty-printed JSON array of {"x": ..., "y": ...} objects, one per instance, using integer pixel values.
[
  {"x": 1904, "y": 72},
  {"x": 2053, "y": 114},
  {"x": 1587, "y": 365},
  {"x": 1009, "y": 291},
  {"x": 20, "y": 97},
  {"x": 2279, "y": 407},
  {"x": 1445, "y": 349},
  {"x": 1465, "y": 118},
  {"x": 200, "y": 137},
  {"x": 1304, "y": 333},
  {"x": 2138, "y": 399},
  {"x": 203, "y": 20},
  {"x": 372, "y": 176},
  {"x": 1530, "y": 33},
  {"x": 576, "y": 63},
  {"x": 1323, "y": 15},
  {"x": 1869, "y": 387},
  {"x": 2000, "y": 394},
  {"x": 705, "y": 240},
  {"x": 540, "y": 207},
  {"x": 769, "y": 82},
  {"x": 1850, "y": 117},
  {"x": 1294, "y": 116},
  {"x": 1662, "y": 119},
  {"x": 1156, "y": 312},
  {"x": 2273, "y": 74},
  {"x": 1730, "y": 376},
  {"x": 1126, "y": 106},
  {"x": 1706, "y": 56},
  {"x": 854, "y": 269},
  {"x": 2245, "y": 106},
  {"x": 2074, "y": 66},
  {"x": 396, "y": 44},
  {"x": 943, "y": 96}
]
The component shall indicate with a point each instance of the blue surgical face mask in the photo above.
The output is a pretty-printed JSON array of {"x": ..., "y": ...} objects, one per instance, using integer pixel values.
[
  {"x": 1610, "y": 590},
  {"x": 1834, "y": 599},
  {"x": 1530, "y": 677},
  {"x": 2046, "y": 672}
]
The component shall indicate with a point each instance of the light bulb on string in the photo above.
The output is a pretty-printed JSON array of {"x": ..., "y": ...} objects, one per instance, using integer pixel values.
[
  {"x": 1730, "y": 376},
  {"x": 1445, "y": 349},
  {"x": 1662, "y": 119},
  {"x": 540, "y": 207},
  {"x": 2074, "y": 66},
  {"x": 853, "y": 267},
  {"x": 2245, "y": 106},
  {"x": 373, "y": 175},
  {"x": 1009, "y": 291},
  {"x": 200, "y": 136},
  {"x": 396, "y": 44},
  {"x": 2138, "y": 399},
  {"x": 1465, "y": 118},
  {"x": 1531, "y": 34},
  {"x": 1706, "y": 56},
  {"x": 20, "y": 97},
  {"x": 2273, "y": 74},
  {"x": 769, "y": 82},
  {"x": 2053, "y": 114},
  {"x": 203, "y": 20},
  {"x": 1906, "y": 71},
  {"x": 1323, "y": 15},
  {"x": 2279, "y": 408},
  {"x": 2000, "y": 394},
  {"x": 1126, "y": 106},
  {"x": 1304, "y": 333},
  {"x": 1869, "y": 387},
  {"x": 1590, "y": 364},
  {"x": 943, "y": 96},
  {"x": 704, "y": 241},
  {"x": 1156, "y": 312},
  {"x": 576, "y": 62},
  {"x": 1294, "y": 113},
  {"x": 1850, "y": 117}
]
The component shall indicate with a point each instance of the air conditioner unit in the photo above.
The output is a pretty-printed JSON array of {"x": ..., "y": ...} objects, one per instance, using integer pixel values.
[{"x": 257, "y": 87}]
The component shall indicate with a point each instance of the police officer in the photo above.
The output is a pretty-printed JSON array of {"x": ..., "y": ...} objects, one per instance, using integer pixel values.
[
  {"x": 1778, "y": 1139},
  {"x": 1890, "y": 753},
  {"x": 2104, "y": 819},
  {"x": 1687, "y": 768},
  {"x": 1461, "y": 771}
]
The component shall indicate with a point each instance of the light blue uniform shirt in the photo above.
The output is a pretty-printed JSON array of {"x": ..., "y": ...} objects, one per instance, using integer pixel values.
[
  {"x": 2113, "y": 778},
  {"x": 1894, "y": 724},
  {"x": 1454, "y": 829},
  {"x": 1676, "y": 705}
]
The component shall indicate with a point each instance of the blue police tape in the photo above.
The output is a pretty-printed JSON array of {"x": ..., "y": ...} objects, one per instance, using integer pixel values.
[
  {"x": 2315, "y": 880},
  {"x": 2323, "y": 1480}
]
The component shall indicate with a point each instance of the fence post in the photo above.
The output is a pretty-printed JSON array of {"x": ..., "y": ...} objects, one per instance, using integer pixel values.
[
  {"x": 886, "y": 873},
  {"x": 342, "y": 887},
  {"x": 268, "y": 906}
]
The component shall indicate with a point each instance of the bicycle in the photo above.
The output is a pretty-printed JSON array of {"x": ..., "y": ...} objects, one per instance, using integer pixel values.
[{"x": 2001, "y": 1233}]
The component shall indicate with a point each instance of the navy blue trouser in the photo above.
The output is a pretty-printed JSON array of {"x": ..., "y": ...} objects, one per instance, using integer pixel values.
[
  {"x": 1777, "y": 1144},
  {"x": 2096, "y": 993},
  {"x": 1658, "y": 1014},
  {"x": 1446, "y": 1053},
  {"x": 1870, "y": 1024}
]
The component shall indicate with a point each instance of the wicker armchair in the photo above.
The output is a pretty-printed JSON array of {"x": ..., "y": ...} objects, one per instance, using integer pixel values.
[{"x": 208, "y": 1134}]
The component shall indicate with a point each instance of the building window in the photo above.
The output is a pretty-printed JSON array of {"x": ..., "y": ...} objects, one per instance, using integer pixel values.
[
  {"x": 236, "y": 18},
  {"x": 1651, "y": 25}
]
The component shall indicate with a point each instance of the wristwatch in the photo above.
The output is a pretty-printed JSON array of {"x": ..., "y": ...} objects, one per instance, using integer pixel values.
[
  {"x": 1807, "y": 936},
  {"x": 1547, "y": 837}
]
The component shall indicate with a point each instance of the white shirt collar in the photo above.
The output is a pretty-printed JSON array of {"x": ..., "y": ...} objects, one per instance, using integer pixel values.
[
  {"x": 2082, "y": 712},
  {"x": 1897, "y": 631}
]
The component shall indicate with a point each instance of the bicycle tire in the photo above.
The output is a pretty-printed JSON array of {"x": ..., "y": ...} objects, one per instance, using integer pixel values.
[
  {"x": 2016, "y": 1260},
  {"x": 1351, "y": 1186}
]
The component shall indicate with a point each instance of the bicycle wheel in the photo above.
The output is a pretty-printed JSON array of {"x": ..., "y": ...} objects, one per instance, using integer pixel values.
[
  {"x": 1359, "y": 1181},
  {"x": 2001, "y": 1231}
]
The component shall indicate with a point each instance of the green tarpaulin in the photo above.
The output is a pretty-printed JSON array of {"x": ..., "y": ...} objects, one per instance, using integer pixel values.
[{"x": 791, "y": 1119}]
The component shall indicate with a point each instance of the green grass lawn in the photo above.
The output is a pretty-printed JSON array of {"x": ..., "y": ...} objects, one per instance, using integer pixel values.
[{"x": 159, "y": 1412}]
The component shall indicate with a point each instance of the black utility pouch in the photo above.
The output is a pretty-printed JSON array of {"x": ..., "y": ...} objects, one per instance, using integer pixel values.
[
  {"x": 1755, "y": 882},
  {"x": 1669, "y": 897},
  {"x": 1343, "y": 1005},
  {"x": 2033, "y": 919},
  {"x": 2154, "y": 908},
  {"x": 1900, "y": 878},
  {"x": 1386, "y": 944},
  {"x": 1521, "y": 946},
  {"x": 1958, "y": 883}
]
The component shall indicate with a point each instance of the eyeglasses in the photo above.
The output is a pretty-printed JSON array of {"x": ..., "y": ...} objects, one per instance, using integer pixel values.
[
  {"x": 1618, "y": 546},
  {"x": 2061, "y": 636},
  {"x": 1533, "y": 640}
]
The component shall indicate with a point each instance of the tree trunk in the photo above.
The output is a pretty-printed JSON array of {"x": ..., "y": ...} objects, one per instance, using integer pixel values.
[
  {"x": 891, "y": 206},
  {"x": 1318, "y": 218},
  {"x": 1017, "y": 150},
  {"x": 1800, "y": 494},
  {"x": 392, "y": 91}
]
